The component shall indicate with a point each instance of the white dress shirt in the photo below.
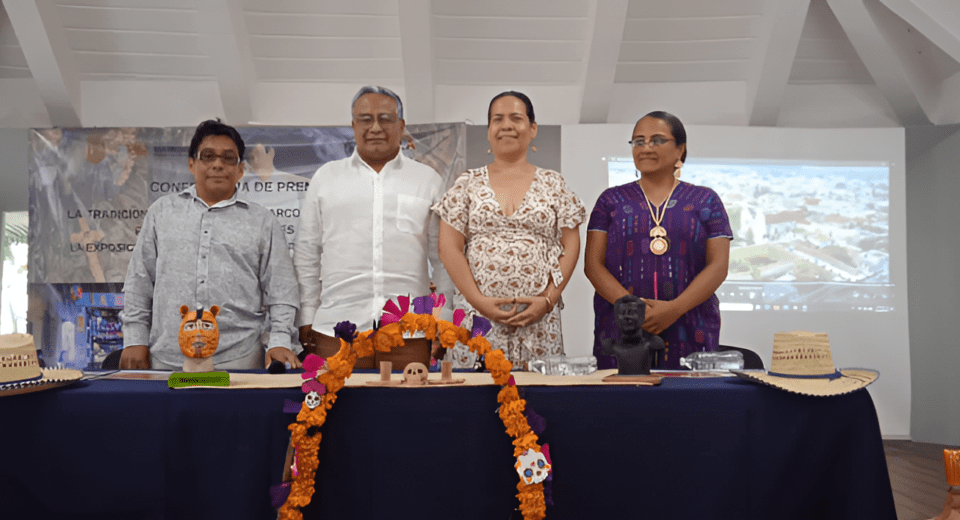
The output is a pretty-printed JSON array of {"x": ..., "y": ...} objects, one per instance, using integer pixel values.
[{"x": 374, "y": 232}]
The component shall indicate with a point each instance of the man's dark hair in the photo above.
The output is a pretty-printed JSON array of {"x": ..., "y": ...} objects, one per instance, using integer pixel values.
[{"x": 214, "y": 127}]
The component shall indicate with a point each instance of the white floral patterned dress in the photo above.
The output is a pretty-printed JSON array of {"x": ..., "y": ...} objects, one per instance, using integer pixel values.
[{"x": 514, "y": 255}]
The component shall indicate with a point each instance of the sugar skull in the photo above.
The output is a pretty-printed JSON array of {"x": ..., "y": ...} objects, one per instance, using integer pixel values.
[
  {"x": 532, "y": 467},
  {"x": 312, "y": 399},
  {"x": 415, "y": 374},
  {"x": 199, "y": 334}
]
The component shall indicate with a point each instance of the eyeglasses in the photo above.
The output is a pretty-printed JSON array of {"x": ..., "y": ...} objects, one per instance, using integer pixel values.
[
  {"x": 655, "y": 141},
  {"x": 228, "y": 158},
  {"x": 367, "y": 120}
]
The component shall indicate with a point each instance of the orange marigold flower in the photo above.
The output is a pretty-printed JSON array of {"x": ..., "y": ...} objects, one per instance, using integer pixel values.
[
  {"x": 498, "y": 366},
  {"x": 448, "y": 338},
  {"x": 450, "y": 334},
  {"x": 428, "y": 324},
  {"x": 527, "y": 441},
  {"x": 507, "y": 394},
  {"x": 387, "y": 338},
  {"x": 289, "y": 512},
  {"x": 362, "y": 344},
  {"x": 480, "y": 345},
  {"x": 425, "y": 323},
  {"x": 532, "y": 503},
  {"x": 513, "y": 418}
]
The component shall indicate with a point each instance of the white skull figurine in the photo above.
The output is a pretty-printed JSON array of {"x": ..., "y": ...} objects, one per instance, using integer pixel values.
[
  {"x": 415, "y": 374},
  {"x": 312, "y": 399},
  {"x": 532, "y": 467}
]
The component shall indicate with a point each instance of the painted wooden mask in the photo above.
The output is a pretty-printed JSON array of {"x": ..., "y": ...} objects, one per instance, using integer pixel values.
[{"x": 199, "y": 334}]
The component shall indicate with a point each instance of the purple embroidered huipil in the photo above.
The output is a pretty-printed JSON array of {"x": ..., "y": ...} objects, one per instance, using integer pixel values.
[{"x": 694, "y": 215}]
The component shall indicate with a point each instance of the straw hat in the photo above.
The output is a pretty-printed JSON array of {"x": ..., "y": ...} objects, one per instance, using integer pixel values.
[
  {"x": 802, "y": 364},
  {"x": 20, "y": 371}
]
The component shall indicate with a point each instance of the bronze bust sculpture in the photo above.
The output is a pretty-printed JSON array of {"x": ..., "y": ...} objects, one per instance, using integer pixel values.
[{"x": 634, "y": 351}]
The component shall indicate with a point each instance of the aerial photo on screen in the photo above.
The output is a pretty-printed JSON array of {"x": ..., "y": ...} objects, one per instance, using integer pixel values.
[{"x": 808, "y": 236}]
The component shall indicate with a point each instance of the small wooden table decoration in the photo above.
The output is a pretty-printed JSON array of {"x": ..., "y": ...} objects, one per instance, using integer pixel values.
[
  {"x": 446, "y": 375},
  {"x": 415, "y": 374}
]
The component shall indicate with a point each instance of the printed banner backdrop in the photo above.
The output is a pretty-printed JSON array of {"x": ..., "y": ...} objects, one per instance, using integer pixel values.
[{"x": 90, "y": 189}]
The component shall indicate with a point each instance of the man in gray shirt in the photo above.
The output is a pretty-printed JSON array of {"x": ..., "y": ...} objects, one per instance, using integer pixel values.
[{"x": 202, "y": 247}]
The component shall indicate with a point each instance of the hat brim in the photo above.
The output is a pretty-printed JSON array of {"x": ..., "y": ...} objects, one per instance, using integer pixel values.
[
  {"x": 852, "y": 379},
  {"x": 52, "y": 378}
]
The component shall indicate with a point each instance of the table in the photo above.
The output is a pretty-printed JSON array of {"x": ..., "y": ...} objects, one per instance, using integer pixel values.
[{"x": 691, "y": 448}]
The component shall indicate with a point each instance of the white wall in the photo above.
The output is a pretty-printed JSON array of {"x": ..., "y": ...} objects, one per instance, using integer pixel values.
[{"x": 933, "y": 245}]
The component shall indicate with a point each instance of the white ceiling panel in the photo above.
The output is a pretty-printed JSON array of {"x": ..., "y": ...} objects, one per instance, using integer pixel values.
[
  {"x": 141, "y": 42},
  {"x": 129, "y": 4},
  {"x": 519, "y": 50},
  {"x": 346, "y": 70},
  {"x": 530, "y": 29},
  {"x": 674, "y": 72},
  {"x": 652, "y": 29},
  {"x": 694, "y": 9},
  {"x": 324, "y": 7},
  {"x": 158, "y": 18},
  {"x": 512, "y": 8},
  {"x": 12, "y": 62},
  {"x": 577, "y": 54},
  {"x": 508, "y": 42},
  {"x": 827, "y": 71},
  {"x": 97, "y": 63},
  {"x": 307, "y": 47},
  {"x": 687, "y": 51},
  {"x": 670, "y": 42},
  {"x": 499, "y": 72},
  {"x": 824, "y": 53},
  {"x": 352, "y": 26}
]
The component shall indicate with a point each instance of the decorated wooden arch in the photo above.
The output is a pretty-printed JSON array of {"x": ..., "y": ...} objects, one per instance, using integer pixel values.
[{"x": 305, "y": 432}]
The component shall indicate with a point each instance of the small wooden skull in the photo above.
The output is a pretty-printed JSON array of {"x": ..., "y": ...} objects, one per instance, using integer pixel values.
[
  {"x": 532, "y": 467},
  {"x": 312, "y": 399},
  {"x": 415, "y": 374}
]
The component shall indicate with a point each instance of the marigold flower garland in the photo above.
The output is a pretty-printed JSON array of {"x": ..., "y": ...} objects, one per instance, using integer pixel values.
[{"x": 305, "y": 432}]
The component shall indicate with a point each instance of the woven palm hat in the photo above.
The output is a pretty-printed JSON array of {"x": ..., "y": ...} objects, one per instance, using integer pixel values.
[
  {"x": 802, "y": 364},
  {"x": 20, "y": 371}
]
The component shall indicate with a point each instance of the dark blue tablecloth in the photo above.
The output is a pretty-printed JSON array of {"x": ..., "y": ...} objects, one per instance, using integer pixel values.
[{"x": 691, "y": 448}]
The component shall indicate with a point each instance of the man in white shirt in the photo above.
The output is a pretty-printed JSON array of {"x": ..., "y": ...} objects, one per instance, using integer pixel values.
[{"x": 368, "y": 217}]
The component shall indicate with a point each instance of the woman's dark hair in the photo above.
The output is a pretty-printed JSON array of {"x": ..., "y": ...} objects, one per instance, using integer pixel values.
[
  {"x": 214, "y": 127},
  {"x": 676, "y": 128},
  {"x": 519, "y": 95}
]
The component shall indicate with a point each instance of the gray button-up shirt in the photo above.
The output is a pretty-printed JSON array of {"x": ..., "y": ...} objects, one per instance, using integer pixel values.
[{"x": 232, "y": 254}]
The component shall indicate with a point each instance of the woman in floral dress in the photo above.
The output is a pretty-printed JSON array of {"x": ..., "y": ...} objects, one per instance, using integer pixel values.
[{"x": 509, "y": 237}]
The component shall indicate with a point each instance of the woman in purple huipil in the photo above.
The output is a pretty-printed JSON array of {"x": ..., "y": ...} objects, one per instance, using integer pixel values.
[{"x": 662, "y": 239}]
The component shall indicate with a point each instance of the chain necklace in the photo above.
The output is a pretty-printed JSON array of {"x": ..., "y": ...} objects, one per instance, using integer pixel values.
[{"x": 658, "y": 235}]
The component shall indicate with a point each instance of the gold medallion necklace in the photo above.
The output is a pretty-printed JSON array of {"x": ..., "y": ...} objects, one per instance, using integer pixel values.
[{"x": 658, "y": 235}]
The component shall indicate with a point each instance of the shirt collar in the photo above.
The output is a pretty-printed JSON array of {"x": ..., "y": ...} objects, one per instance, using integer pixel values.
[
  {"x": 192, "y": 192},
  {"x": 394, "y": 164}
]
